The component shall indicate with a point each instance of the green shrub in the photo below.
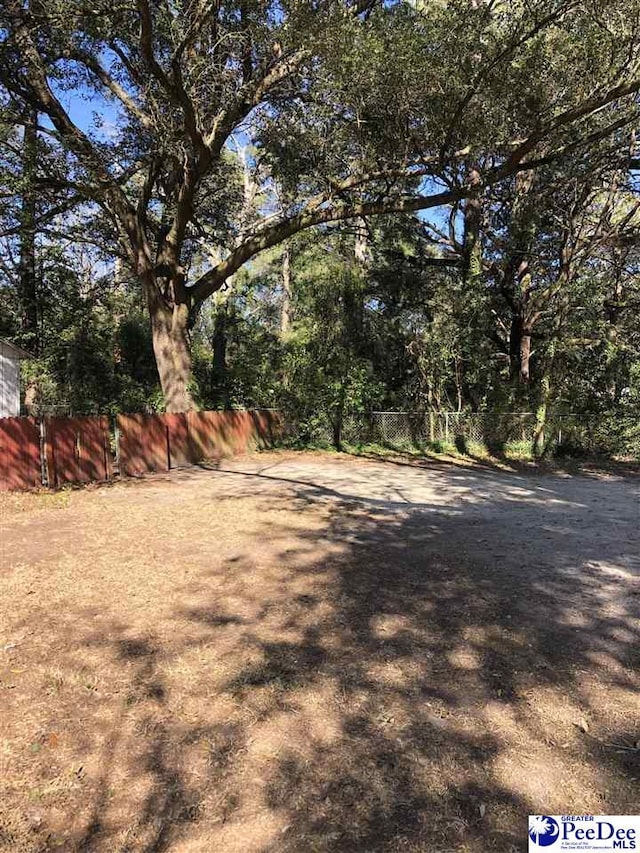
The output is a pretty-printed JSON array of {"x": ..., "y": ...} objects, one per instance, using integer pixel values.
[
  {"x": 477, "y": 449},
  {"x": 520, "y": 450},
  {"x": 442, "y": 447}
]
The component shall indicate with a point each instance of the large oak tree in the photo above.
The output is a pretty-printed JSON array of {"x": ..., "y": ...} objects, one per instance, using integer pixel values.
[{"x": 356, "y": 109}]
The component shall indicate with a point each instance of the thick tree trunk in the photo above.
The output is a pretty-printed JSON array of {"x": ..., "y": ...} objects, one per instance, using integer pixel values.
[
  {"x": 520, "y": 349},
  {"x": 172, "y": 350}
]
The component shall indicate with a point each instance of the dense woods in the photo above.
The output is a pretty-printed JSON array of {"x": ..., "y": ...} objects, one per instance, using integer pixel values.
[{"x": 328, "y": 207}]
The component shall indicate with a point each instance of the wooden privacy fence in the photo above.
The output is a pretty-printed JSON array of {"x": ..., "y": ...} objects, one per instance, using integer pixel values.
[
  {"x": 142, "y": 443},
  {"x": 20, "y": 466},
  {"x": 160, "y": 442},
  {"x": 79, "y": 450}
]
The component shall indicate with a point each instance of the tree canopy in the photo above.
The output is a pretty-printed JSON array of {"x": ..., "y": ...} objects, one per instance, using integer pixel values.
[{"x": 499, "y": 136}]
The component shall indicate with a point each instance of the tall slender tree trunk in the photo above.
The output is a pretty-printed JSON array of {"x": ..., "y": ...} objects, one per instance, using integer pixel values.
[
  {"x": 524, "y": 356},
  {"x": 27, "y": 267},
  {"x": 472, "y": 246},
  {"x": 337, "y": 421},
  {"x": 286, "y": 314},
  {"x": 361, "y": 249},
  {"x": 219, "y": 346},
  {"x": 354, "y": 298},
  {"x": 458, "y": 383},
  {"x": 540, "y": 439},
  {"x": 613, "y": 309},
  {"x": 539, "y": 434}
]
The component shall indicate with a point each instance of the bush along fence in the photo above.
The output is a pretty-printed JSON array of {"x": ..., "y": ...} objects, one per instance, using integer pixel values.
[{"x": 58, "y": 450}]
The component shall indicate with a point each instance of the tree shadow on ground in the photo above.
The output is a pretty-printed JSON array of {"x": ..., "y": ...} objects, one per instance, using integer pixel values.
[
  {"x": 589, "y": 465},
  {"x": 395, "y": 678},
  {"x": 437, "y": 650}
]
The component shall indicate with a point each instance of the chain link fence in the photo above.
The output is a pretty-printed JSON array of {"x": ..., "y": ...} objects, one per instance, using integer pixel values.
[
  {"x": 567, "y": 433},
  {"x": 416, "y": 429}
]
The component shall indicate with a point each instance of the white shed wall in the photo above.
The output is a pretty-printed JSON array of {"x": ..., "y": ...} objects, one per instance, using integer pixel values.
[{"x": 9, "y": 384}]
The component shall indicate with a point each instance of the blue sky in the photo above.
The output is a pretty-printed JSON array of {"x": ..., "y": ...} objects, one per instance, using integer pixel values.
[{"x": 82, "y": 106}]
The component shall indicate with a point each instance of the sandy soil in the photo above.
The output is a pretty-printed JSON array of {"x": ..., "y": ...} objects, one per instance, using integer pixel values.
[{"x": 312, "y": 653}]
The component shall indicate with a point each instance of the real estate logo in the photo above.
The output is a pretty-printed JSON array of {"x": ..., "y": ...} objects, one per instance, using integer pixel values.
[
  {"x": 584, "y": 832},
  {"x": 543, "y": 830}
]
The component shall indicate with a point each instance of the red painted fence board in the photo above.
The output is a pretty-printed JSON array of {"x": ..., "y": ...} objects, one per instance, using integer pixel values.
[
  {"x": 203, "y": 434},
  {"x": 160, "y": 442},
  {"x": 143, "y": 444},
  {"x": 178, "y": 441},
  {"x": 217, "y": 434},
  {"x": 77, "y": 450},
  {"x": 268, "y": 427},
  {"x": 19, "y": 454}
]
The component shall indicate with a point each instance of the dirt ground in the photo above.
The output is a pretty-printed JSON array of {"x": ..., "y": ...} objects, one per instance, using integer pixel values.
[{"x": 301, "y": 653}]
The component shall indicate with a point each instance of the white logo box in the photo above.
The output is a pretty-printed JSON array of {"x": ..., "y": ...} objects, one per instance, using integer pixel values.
[{"x": 556, "y": 833}]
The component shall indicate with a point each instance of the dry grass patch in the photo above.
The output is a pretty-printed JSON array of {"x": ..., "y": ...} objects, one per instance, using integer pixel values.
[{"x": 258, "y": 663}]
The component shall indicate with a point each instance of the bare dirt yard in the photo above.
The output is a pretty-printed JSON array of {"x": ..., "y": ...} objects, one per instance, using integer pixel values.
[{"x": 299, "y": 653}]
